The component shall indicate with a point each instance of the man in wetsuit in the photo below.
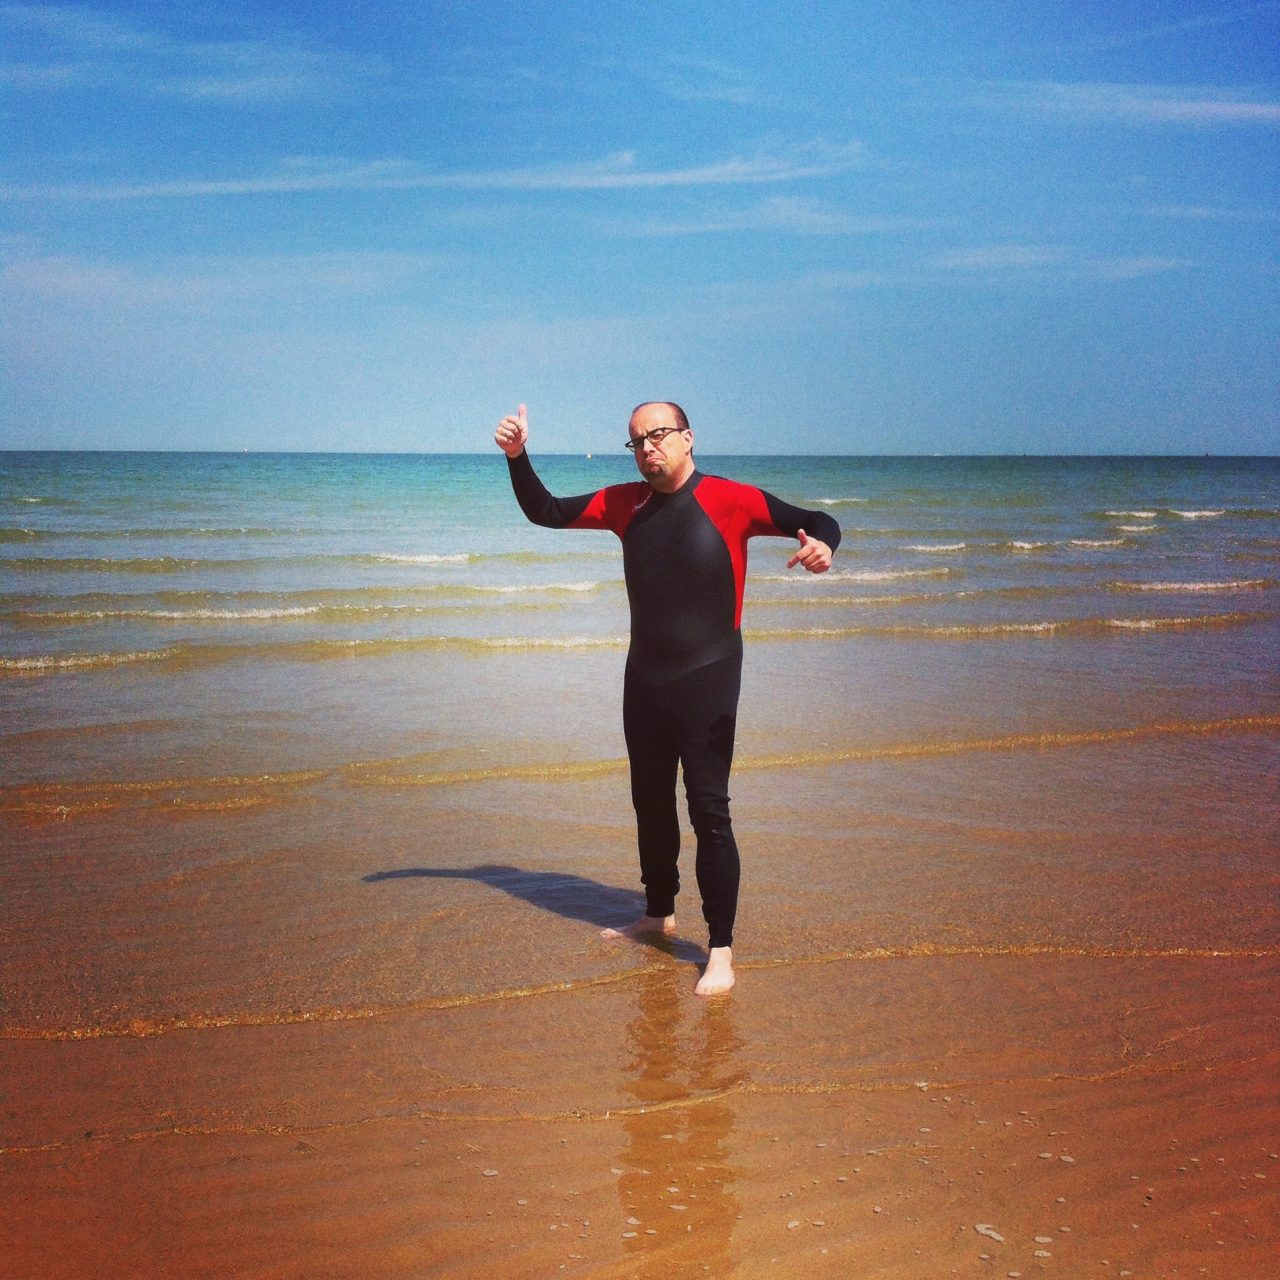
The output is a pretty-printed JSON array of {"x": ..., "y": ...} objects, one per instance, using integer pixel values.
[{"x": 684, "y": 551}]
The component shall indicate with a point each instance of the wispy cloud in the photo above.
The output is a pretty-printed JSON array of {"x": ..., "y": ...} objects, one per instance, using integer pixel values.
[
  {"x": 1003, "y": 261},
  {"x": 1135, "y": 103},
  {"x": 70, "y": 48},
  {"x": 74, "y": 27},
  {"x": 595, "y": 74},
  {"x": 1212, "y": 213},
  {"x": 1131, "y": 268},
  {"x": 1000, "y": 264},
  {"x": 203, "y": 281},
  {"x": 787, "y": 215},
  {"x": 1000, "y": 257},
  {"x": 692, "y": 78},
  {"x": 614, "y": 173},
  {"x": 990, "y": 267},
  {"x": 1166, "y": 30}
]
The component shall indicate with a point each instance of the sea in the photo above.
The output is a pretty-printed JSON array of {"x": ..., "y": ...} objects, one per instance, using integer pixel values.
[
  {"x": 313, "y": 802},
  {"x": 252, "y": 613}
]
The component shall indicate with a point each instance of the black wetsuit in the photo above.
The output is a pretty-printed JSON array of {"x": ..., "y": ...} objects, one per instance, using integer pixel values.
[{"x": 685, "y": 561}]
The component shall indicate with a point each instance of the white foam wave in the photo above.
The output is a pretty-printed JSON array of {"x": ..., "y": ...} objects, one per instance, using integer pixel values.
[
  {"x": 1133, "y": 515},
  {"x": 890, "y": 575},
  {"x": 840, "y": 502},
  {"x": 460, "y": 558},
  {"x": 1096, "y": 542},
  {"x": 1238, "y": 584},
  {"x": 69, "y": 661},
  {"x": 1030, "y": 546},
  {"x": 553, "y": 642},
  {"x": 925, "y": 632},
  {"x": 177, "y": 615},
  {"x": 1151, "y": 624},
  {"x": 936, "y": 546},
  {"x": 1001, "y": 628},
  {"x": 519, "y": 588},
  {"x": 980, "y": 630},
  {"x": 799, "y": 578},
  {"x": 1197, "y": 515},
  {"x": 1137, "y": 528}
]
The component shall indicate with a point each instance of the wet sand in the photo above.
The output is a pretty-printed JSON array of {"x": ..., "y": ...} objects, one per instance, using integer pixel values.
[{"x": 1002, "y": 1011}]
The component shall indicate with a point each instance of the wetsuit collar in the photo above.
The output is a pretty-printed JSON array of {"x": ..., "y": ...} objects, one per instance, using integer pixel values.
[{"x": 691, "y": 483}]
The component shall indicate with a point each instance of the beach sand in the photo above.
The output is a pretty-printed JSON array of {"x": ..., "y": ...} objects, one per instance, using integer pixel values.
[{"x": 1000, "y": 1012}]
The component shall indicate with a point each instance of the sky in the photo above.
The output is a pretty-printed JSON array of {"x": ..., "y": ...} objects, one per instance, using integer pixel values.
[{"x": 883, "y": 227}]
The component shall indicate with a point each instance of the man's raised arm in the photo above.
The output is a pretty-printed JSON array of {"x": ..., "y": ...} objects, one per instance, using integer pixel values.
[{"x": 537, "y": 503}]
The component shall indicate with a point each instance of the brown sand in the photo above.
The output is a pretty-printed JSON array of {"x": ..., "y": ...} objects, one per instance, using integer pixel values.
[{"x": 372, "y": 1033}]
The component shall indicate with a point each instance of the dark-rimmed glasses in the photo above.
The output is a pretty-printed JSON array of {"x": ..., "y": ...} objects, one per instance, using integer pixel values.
[{"x": 656, "y": 436}]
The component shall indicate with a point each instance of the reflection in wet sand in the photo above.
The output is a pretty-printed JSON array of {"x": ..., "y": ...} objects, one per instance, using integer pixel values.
[{"x": 676, "y": 1187}]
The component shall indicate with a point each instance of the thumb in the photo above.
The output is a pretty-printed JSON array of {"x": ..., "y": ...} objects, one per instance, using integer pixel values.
[
  {"x": 804, "y": 537},
  {"x": 523, "y": 414}
]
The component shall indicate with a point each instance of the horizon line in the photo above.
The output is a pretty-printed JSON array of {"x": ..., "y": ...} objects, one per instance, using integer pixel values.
[{"x": 592, "y": 455}]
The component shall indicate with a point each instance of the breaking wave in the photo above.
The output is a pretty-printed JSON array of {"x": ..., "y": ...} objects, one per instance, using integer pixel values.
[
  {"x": 192, "y": 655},
  {"x": 1236, "y": 584}
]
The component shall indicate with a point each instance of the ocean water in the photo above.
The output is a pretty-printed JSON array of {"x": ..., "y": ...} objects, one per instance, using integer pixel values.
[
  {"x": 313, "y": 801},
  {"x": 162, "y": 606}
]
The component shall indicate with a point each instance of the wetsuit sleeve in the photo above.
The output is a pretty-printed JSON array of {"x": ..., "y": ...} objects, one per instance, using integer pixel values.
[
  {"x": 537, "y": 503},
  {"x": 790, "y": 520},
  {"x": 609, "y": 508}
]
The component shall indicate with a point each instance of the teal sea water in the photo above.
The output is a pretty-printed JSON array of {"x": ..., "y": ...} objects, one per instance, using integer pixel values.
[{"x": 161, "y": 606}]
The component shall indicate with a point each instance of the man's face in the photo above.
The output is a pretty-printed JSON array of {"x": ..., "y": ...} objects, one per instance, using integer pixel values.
[{"x": 667, "y": 463}]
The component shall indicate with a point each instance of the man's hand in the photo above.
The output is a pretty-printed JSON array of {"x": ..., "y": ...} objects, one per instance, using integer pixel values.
[
  {"x": 814, "y": 555},
  {"x": 513, "y": 433}
]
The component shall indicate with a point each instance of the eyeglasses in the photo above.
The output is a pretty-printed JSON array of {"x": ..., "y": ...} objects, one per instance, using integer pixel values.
[{"x": 656, "y": 436}]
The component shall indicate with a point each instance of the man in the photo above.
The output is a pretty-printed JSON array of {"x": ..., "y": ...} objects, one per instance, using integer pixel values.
[{"x": 684, "y": 550}]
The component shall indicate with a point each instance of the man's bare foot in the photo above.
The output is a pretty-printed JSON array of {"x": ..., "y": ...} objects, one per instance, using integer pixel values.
[
  {"x": 646, "y": 924},
  {"x": 718, "y": 976}
]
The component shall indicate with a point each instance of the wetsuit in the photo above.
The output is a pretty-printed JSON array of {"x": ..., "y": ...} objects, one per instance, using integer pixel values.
[{"x": 685, "y": 560}]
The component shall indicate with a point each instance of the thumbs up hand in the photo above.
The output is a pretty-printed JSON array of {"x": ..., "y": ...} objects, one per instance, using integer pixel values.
[{"x": 513, "y": 432}]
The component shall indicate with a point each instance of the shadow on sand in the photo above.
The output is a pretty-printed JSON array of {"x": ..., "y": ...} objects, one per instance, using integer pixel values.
[{"x": 570, "y": 896}]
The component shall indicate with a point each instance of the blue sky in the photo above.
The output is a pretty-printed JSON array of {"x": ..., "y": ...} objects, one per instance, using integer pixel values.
[{"x": 885, "y": 227}]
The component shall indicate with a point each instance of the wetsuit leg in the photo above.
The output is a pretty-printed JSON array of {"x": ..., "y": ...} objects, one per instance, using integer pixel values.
[
  {"x": 654, "y": 751},
  {"x": 689, "y": 721},
  {"x": 708, "y": 710}
]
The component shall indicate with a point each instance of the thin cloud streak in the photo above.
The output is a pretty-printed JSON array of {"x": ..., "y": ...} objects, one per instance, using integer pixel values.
[
  {"x": 1134, "y": 103},
  {"x": 81, "y": 28},
  {"x": 792, "y": 215},
  {"x": 1210, "y": 213},
  {"x": 1164, "y": 30},
  {"x": 1000, "y": 264},
  {"x": 1004, "y": 261},
  {"x": 190, "y": 281},
  {"x": 92, "y": 48},
  {"x": 1001, "y": 257},
  {"x": 615, "y": 173},
  {"x": 695, "y": 79},
  {"x": 987, "y": 267}
]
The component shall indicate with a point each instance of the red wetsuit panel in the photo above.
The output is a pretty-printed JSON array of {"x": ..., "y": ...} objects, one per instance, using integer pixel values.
[
  {"x": 739, "y": 512},
  {"x": 613, "y": 508}
]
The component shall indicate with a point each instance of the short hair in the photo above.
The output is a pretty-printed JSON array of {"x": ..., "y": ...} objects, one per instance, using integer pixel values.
[{"x": 681, "y": 419}]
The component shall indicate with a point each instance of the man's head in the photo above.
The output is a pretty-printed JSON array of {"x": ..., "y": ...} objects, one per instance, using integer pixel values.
[{"x": 665, "y": 463}]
